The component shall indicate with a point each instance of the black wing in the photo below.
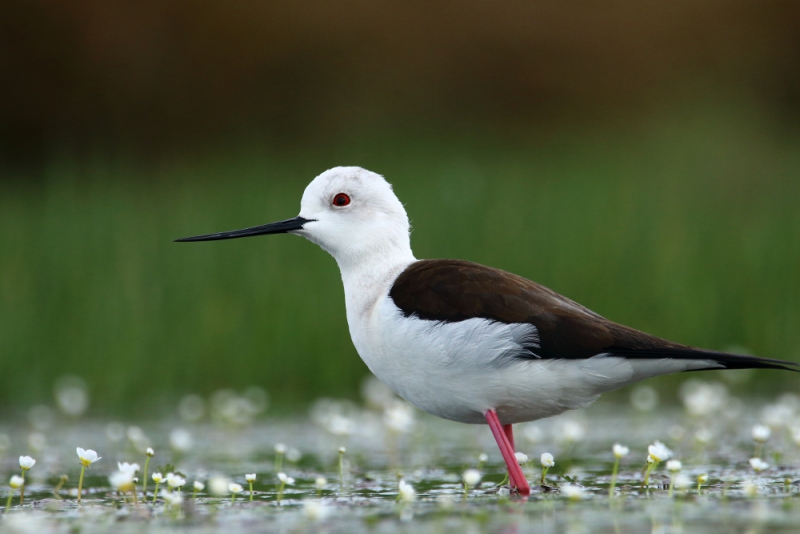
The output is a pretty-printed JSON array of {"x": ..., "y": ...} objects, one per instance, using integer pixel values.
[{"x": 455, "y": 290}]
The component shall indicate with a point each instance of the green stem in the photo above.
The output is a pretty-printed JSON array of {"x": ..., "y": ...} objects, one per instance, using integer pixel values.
[
  {"x": 135, "y": 497},
  {"x": 144, "y": 483},
  {"x": 613, "y": 478},
  {"x": 22, "y": 489},
  {"x": 233, "y": 496},
  {"x": 61, "y": 482},
  {"x": 280, "y": 492},
  {"x": 647, "y": 476},
  {"x": 341, "y": 467},
  {"x": 155, "y": 493},
  {"x": 194, "y": 494},
  {"x": 251, "y": 490},
  {"x": 80, "y": 483},
  {"x": 544, "y": 474},
  {"x": 8, "y": 502}
]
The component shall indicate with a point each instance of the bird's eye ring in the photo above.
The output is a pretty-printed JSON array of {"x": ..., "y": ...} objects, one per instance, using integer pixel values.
[{"x": 341, "y": 200}]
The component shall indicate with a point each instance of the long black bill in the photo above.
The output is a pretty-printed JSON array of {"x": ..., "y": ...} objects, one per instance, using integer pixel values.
[{"x": 280, "y": 227}]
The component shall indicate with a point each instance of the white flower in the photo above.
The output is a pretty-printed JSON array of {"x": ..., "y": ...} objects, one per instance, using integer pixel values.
[
  {"x": 483, "y": 457},
  {"x": 342, "y": 450},
  {"x": 573, "y": 492},
  {"x": 150, "y": 452},
  {"x": 16, "y": 482},
  {"x": 521, "y": 457},
  {"x": 26, "y": 462},
  {"x": 703, "y": 436},
  {"x": 175, "y": 481},
  {"x": 289, "y": 481},
  {"x": 315, "y": 510},
  {"x": 659, "y": 452},
  {"x": 250, "y": 478},
  {"x": 199, "y": 486},
  {"x": 218, "y": 485},
  {"x": 750, "y": 489},
  {"x": 235, "y": 488},
  {"x": 399, "y": 417},
  {"x": 683, "y": 481},
  {"x": 547, "y": 460},
  {"x": 702, "y": 478},
  {"x": 761, "y": 433},
  {"x": 125, "y": 467},
  {"x": 673, "y": 466},
  {"x": 572, "y": 431},
  {"x": 471, "y": 477},
  {"x": 758, "y": 465},
  {"x": 280, "y": 448},
  {"x": 158, "y": 478},
  {"x": 180, "y": 439},
  {"x": 294, "y": 455},
  {"x": 122, "y": 480},
  {"x": 406, "y": 491},
  {"x": 702, "y": 398},
  {"x": 87, "y": 457},
  {"x": 172, "y": 498},
  {"x": 320, "y": 482},
  {"x": 620, "y": 450}
]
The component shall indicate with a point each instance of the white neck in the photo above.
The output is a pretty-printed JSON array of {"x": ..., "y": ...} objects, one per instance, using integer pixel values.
[{"x": 367, "y": 280}]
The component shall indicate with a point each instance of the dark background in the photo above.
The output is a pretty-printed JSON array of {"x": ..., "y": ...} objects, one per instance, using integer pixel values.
[{"x": 641, "y": 158}]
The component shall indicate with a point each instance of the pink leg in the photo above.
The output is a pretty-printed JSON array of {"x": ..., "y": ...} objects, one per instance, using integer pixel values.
[
  {"x": 509, "y": 431},
  {"x": 515, "y": 474}
]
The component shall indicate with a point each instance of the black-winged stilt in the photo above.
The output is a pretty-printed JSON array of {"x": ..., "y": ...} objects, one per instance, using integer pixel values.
[{"x": 463, "y": 341}]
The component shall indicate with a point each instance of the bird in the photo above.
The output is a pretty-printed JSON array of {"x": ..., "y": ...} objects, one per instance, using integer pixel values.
[{"x": 464, "y": 341}]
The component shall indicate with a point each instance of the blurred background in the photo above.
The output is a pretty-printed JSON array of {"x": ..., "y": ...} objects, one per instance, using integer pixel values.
[{"x": 642, "y": 158}]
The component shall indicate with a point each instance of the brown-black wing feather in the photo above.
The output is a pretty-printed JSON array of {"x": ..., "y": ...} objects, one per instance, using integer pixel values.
[{"x": 456, "y": 290}]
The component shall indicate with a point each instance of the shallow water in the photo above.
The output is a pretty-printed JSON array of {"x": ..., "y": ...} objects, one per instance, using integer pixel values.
[{"x": 427, "y": 453}]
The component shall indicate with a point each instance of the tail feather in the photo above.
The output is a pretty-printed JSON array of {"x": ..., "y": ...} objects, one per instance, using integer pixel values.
[{"x": 724, "y": 359}]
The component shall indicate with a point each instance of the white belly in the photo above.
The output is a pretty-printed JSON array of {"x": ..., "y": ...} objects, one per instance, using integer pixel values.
[{"x": 459, "y": 370}]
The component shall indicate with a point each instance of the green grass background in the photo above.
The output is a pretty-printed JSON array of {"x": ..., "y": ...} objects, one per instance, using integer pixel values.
[{"x": 688, "y": 228}]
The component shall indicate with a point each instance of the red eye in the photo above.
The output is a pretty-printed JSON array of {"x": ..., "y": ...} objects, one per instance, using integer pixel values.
[{"x": 341, "y": 200}]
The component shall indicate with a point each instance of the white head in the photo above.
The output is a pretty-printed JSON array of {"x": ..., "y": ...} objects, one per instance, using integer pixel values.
[{"x": 350, "y": 212}]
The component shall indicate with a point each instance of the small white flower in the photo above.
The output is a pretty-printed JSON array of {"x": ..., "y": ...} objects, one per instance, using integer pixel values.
[
  {"x": 572, "y": 431},
  {"x": 758, "y": 465},
  {"x": 703, "y": 436},
  {"x": 26, "y": 462},
  {"x": 547, "y": 460},
  {"x": 158, "y": 478},
  {"x": 289, "y": 481},
  {"x": 399, "y": 417},
  {"x": 342, "y": 450},
  {"x": 620, "y": 450},
  {"x": 125, "y": 467},
  {"x": 521, "y": 457},
  {"x": 659, "y": 452},
  {"x": 280, "y": 448},
  {"x": 87, "y": 457},
  {"x": 702, "y": 478},
  {"x": 122, "y": 480},
  {"x": 320, "y": 482},
  {"x": 483, "y": 457},
  {"x": 250, "y": 478},
  {"x": 235, "y": 488},
  {"x": 315, "y": 510},
  {"x": 218, "y": 485},
  {"x": 150, "y": 452},
  {"x": 673, "y": 466},
  {"x": 294, "y": 455},
  {"x": 573, "y": 492},
  {"x": 761, "y": 433},
  {"x": 16, "y": 482},
  {"x": 180, "y": 439},
  {"x": 750, "y": 489},
  {"x": 175, "y": 481},
  {"x": 682, "y": 481},
  {"x": 172, "y": 498},
  {"x": 406, "y": 491},
  {"x": 472, "y": 477},
  {"x": 199, "y": 486}
]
